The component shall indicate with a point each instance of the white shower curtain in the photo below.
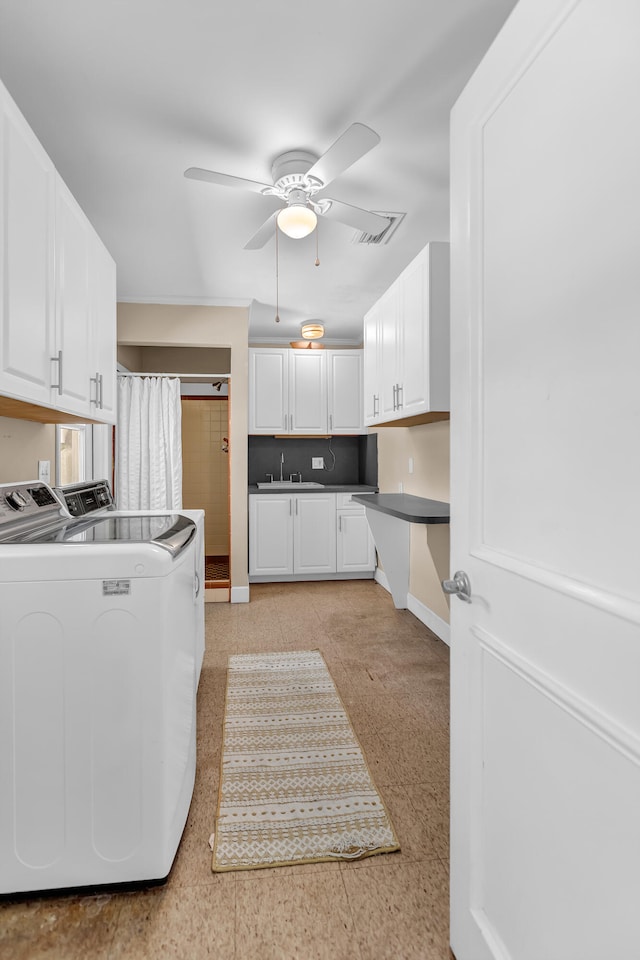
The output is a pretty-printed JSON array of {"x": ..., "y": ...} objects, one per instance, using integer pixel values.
[{"x": 149, "y": 444}]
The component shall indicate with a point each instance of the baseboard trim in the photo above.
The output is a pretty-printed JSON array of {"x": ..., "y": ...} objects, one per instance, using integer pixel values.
[
  {"x": 430, "y": 619},
  {"x": 240, "y": 594},
  {"x": 423, "y": 613},
  {"x": 381, "y": 578}
]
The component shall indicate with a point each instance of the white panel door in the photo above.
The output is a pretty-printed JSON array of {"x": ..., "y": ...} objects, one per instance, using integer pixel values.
[
  {"x": 270, "y": 534},
  {"x": 314, "y": 533},
  {"x": 268, "y": 391},
  {"x": 545, "y": 477},
  {"x": 344, "y": 385},
  {"x": 27, "y": 298},
  {"x": 307, "y": 391}
]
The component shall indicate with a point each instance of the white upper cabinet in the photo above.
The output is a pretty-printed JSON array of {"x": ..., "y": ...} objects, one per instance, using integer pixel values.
[
  {"x": 102, "y": 290},
  {"x": 73, "y": 379},
  {"x": 406, "y": 352},
  {"x": 268, "y": 391},
  {"x": 57, "y": 285},
  {"x": 305, "y": 392},
  {"x": 371, "y": 365},
  {"x": 344, "y": 388},
  {"x": 27, "y": 283}
]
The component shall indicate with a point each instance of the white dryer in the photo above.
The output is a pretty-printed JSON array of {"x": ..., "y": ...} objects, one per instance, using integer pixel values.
[{"x": 101, "y": 627}]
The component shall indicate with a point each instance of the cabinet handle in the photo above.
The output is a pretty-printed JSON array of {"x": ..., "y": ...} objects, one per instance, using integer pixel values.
[
  {"x": 101, "y": 389},
  {"x": 290, "y": 507},
  {"x": 98, "y": 382},
  {"x": 400, "y": 387},
  {"x": 376, "y": 400},
  {"x": 296, "y": 506},
  {"x": 330, "y": 422},
  {"x": 58, "y": 386},
  {"x": 339, "y": 523},
  {"x": 395, "y": 389}
]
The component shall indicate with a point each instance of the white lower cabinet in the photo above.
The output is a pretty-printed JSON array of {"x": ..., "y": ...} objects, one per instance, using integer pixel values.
[
  {"x": 355, "y": 548},
  {"x": 307, "y": 534},
  {"x": 271, "y": 535},
  {"x": 314, "y": 533}
]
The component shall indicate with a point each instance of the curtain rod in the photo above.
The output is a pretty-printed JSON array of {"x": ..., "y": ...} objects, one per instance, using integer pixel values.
[{"x": 184, "y": 376}]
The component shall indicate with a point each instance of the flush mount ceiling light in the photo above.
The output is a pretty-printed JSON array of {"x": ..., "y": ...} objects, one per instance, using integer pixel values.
[
  {"x": 297, "y": 220},
  {"x": 312, "y": 331}
]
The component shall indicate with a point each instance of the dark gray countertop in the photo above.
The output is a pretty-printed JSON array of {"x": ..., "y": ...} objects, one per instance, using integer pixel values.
[
  {"x": 407, "y": 507},
  {"x": 327, "y": 488}
]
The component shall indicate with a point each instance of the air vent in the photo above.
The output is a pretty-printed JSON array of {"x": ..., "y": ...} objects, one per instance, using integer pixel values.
[{"x": 385, "y": 236}]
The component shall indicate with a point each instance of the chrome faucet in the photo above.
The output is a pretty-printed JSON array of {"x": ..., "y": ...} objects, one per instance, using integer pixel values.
[{"x": 281, "y": 465}]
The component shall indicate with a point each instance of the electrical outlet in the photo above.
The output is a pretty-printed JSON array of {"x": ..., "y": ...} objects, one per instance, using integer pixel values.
[
  {"x": 317, "y": 463},
  {"x": 44, "y": 471}
]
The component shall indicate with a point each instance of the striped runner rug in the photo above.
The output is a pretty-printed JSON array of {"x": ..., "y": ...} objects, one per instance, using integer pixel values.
[{"x": 294, "y": 786}]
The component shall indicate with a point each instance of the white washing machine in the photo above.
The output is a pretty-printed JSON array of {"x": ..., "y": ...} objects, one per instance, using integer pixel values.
[{"x": 101, "y": 642}]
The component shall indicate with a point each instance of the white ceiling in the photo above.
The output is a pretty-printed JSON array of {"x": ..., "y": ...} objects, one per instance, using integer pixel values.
[{"x": 126, "y": 94}]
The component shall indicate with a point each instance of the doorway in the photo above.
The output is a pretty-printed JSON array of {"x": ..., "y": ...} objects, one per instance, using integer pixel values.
[{"x": 205, "y": 482}]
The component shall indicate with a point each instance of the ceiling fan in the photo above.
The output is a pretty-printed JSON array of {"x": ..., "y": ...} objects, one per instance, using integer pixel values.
[{"x": 298, "y": 176}]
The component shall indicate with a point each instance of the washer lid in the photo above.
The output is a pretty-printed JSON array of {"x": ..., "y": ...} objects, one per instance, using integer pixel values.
[{"x": 171, "y": 531}]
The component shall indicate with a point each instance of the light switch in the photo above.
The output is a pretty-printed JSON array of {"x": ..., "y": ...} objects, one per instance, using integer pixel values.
[{"x": 44, "y": 471}]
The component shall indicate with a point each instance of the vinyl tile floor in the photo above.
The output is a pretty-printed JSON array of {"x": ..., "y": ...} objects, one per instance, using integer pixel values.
[{"x": 393, "y": 676}]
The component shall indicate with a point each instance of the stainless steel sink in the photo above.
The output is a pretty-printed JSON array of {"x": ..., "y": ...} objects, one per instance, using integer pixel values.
[{"x": 288, "y": 484}]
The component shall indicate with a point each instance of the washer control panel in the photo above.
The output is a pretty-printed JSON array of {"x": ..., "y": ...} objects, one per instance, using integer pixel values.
[{"x": 23, "y": 503}]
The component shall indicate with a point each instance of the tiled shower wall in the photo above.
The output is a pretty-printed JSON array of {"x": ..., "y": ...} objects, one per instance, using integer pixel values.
[{"x": 205, "y": 468}]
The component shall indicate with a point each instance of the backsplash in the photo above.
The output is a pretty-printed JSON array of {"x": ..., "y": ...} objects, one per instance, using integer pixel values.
[{"x": 356, "y": 458}]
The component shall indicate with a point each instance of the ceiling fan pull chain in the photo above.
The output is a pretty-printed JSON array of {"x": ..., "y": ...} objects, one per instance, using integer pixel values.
[
  {"x": 317, "y": 254},
  {"x": 277, "y": 318}
]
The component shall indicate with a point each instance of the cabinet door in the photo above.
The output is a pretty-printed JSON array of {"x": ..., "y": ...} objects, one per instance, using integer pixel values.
[
  {"x": 414, "y": 337},
  {"x": 371, "y": 366},
  {"x": 268, "y": 391},
  {"x": 102, "y": 289},
  {"x": 73, "y": 305},
  {"x": 390, "y": 352},
  {"x": 355, "y": 547},
  {"x": 314, "y": 533},
  {"x": 307, "y": 391},
  {"x": 424, "y": 310},
  {"x": 344, "y": 384},
  {"x": 270, "y": 534},
  {"x": 27, "y": 180}
]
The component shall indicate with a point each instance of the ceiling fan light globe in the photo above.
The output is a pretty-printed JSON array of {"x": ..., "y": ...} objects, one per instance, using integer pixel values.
[{"x": 297, "y": 221}]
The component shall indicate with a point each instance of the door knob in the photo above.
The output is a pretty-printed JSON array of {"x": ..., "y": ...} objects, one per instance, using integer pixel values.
[{"x": 459, "y": 586}]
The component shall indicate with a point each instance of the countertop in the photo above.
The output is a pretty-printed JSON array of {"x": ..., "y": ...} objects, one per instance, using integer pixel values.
[
  {"x": 407, "y": 507},
  {"x": 326, "y": 488}
]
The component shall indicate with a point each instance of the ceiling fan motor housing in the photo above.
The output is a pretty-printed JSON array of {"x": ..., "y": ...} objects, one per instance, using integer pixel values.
[{"x": 289, "y": 176}]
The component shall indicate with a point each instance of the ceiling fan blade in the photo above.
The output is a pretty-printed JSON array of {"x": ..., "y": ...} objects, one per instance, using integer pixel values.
[
  {"x": 356, "y": 140},
  {"x": 356, "y": 217},
  {"x": 225, "y": 180},
  {"x": 266, "y": 231}
]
